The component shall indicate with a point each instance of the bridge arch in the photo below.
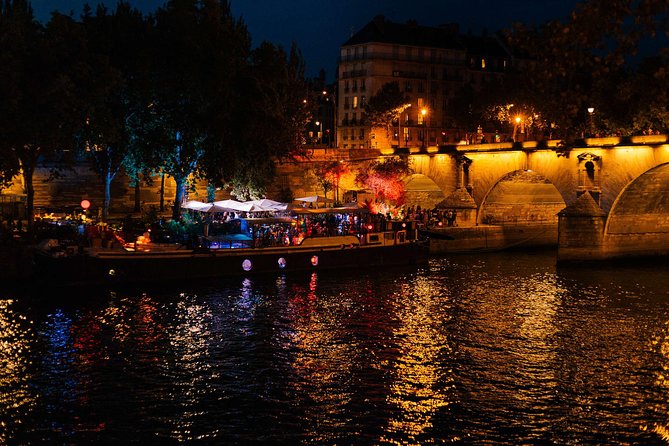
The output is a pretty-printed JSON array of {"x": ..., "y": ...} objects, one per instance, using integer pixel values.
[
  {"x": 639, "y": 218},
  {"x": 521, "y": 198},
  {"x": 423, "y": 190}
]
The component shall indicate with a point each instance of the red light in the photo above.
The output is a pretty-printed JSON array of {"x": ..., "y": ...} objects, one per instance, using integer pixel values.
[
  {"x": 85, "y": 204},
  {"x": 370, "y": 227}
]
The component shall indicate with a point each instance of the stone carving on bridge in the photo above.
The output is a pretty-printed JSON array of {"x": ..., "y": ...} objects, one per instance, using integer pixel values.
[
  {"x": 587, "y": 156},
  {"x": 589, "y": 175},
  {"x": 464, "y": 179}
]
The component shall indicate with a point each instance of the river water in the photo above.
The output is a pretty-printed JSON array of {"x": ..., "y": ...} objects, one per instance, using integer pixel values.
[{"x": 491, "y": 349}]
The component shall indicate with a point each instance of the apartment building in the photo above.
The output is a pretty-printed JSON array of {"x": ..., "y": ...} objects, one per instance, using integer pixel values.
[{"x": 430, "y": 65}]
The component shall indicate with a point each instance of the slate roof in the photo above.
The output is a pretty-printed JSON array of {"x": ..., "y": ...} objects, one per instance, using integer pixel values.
[
  {"x": 410, "y": 33},
  {"x": 380, "y": 30}
]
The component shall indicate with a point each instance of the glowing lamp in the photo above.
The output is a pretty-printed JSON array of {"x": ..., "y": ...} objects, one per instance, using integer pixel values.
[
  {"x": 370, "y": 227},
  {"x": 404, "y": 225},
  {"x": 85, "y": 204}
]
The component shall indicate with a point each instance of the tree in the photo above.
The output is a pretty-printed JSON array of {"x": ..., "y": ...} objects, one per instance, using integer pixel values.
[
  {"x": 386, "y": 106},
  {"x": 40, "y": 108},
  {"x": 328, "y": 175},
  {"x": 571, "y": 63},
  {"x": 198, "y": 48},
  {"x": 385, "y": 179},
  {"x": 114, "y": 59},
  {"x": 268, "y": 124}
]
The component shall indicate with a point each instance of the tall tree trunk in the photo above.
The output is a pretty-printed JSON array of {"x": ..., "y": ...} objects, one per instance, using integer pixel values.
[
  {"x": 162, "y": 192},
  {"x": 107, "y": 198},
  {"x": 178, "y": 197},
  {"x": 28, "y": 171},
  {"x": 137, "y": 195}
]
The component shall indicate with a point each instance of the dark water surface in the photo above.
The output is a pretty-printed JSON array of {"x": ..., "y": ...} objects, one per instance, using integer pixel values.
[{"x": 495, "y": 349}]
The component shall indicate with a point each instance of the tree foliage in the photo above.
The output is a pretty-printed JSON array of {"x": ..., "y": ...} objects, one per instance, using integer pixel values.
[
  {"x": 385, "y": 179},
  {"x": 590, "y": 60},
  {"x": 386, "y": 106}
]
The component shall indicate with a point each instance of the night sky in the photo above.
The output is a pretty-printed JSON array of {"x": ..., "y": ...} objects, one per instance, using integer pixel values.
[{"x": 320, "y": 27}]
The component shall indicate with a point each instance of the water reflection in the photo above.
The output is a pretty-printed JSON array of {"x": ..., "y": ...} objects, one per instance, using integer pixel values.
[
  {"x": 17, "y": 398},
  {"x": 422, "y": 381},
  {"x": 497, "y": 349}
]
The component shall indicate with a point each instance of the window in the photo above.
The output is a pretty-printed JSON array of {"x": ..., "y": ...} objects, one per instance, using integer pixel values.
[
  {"x": 355, "y": 102},
  {"x": 362, "y": 85},
  {"x": 346, "y": 103},
  {"x": 355, "y": 85},
  {"x": 362, "y": 133},
  {"x": 421, "y": 87},
  {"x": 483, "y": 63},
  {"x": 363, "y": 101},
  {"x": 364, "y": 52},
  {"x": 407, "y": 86}
]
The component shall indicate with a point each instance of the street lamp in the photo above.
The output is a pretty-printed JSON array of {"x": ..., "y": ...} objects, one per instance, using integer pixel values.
[
  {"x": 423, "y": 113},
  {"x": 402, "y": 108},
  {"x": 591, "y": 110},
  {"x": 519, "y": 121},
  {"x": 320, "y": 132}
]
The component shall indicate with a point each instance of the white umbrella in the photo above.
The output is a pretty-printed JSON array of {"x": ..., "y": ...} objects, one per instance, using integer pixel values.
[
  {"x": 269, "y": 205},
  {"x": 195, "y": 205},
  {"x": 213, "y": 208},
  {"x": 315, "y": 199},
  {"x": 234, "y": 205}
]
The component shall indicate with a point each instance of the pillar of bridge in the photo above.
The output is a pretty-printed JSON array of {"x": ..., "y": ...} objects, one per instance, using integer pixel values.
[
  {"x": 581, "y": 231},
  {"x": 463, "y": 204}
]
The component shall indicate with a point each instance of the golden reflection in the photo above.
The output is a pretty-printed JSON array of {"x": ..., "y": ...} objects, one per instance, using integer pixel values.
[
  {"x": 661, "y": 344},
  {"x": 190, "y": 340},
  {"x": 16, "y": 397},
  {"x": 322, "y": 362},
  {"x": 420, "y": 384}
]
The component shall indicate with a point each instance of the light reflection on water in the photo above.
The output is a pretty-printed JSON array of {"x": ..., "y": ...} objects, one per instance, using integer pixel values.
[{"x": 498, "y": 349}]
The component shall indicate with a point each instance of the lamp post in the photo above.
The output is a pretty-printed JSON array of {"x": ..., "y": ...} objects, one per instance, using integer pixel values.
[
  {"x": 591, "y": 111},
  {"x": 319, "y": 126},
  {"x": 423, "y": 113},
  {"x": 519, "y": 121},
  {"x": 399, "y": 126}
]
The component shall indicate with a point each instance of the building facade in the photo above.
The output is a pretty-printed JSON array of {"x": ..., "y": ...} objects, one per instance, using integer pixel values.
[{"x": 430, "y": 64}]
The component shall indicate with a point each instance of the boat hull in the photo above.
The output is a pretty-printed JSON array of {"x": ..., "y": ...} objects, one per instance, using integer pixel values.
[{"x": 182, "y": 265}]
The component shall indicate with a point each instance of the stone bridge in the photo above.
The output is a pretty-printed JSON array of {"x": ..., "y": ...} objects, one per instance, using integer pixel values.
[{"x": 624, "y": 212}]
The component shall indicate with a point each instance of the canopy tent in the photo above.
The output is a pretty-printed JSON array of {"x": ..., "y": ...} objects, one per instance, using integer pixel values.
[
  {"x": 337, "y": 210},
  {"x": 195, "y": 205},
  {"x": 315, "y": 199},
  {"x": 269, "y": 205},
  {"x": 205, "y": 207},
  {"x": 234, "y": 205}
]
